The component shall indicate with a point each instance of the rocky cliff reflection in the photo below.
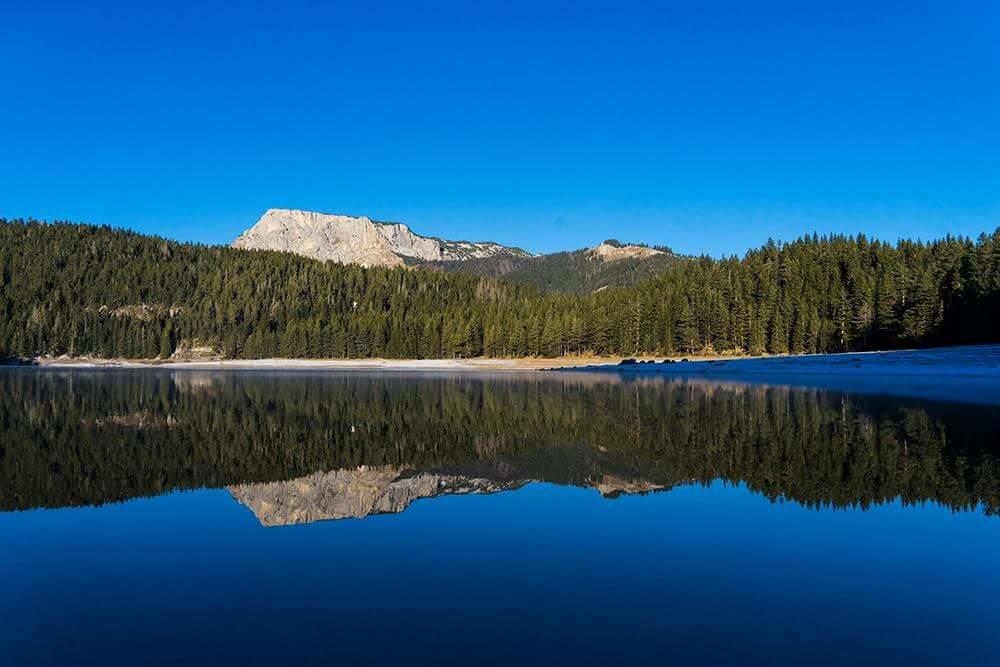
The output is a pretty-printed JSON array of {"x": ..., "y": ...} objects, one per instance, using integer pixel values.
[
  {"x": 300, "y": 447},
  {"x": 352, "y": 494}
]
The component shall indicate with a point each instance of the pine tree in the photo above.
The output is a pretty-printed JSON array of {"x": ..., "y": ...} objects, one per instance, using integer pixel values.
[
  {"x": 686, "y": 329},
  {"x": 778, "y": 342},
  {"x": 167, "y": 340}
]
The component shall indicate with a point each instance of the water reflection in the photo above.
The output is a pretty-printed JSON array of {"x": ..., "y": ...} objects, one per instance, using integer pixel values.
[{"x": 300, "y": 447}]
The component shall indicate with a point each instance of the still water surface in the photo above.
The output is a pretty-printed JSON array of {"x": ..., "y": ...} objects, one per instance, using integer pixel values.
[{"x": 359, "y": 518}]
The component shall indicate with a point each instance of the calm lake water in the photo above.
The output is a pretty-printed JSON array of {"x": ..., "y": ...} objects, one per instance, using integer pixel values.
[{"x": 159, "y": 516}]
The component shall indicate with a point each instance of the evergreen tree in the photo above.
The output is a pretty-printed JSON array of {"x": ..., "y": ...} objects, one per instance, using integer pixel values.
[
  {"x": 778, "y": 342},
  {"x": 167, "y": 341}
]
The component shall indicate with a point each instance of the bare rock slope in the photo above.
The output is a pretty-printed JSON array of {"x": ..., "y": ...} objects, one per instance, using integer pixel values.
[
  {"x": 358, "y": 240},
  {"x": 608, "y": 252}
]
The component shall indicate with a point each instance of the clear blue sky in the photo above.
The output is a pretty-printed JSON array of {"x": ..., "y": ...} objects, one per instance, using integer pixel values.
[{"x": 705, "y": 126}]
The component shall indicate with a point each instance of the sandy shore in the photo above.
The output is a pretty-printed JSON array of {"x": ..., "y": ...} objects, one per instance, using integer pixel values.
[
  {"x": 980, "y": 361},
  {"x": 477, "y": 364}
]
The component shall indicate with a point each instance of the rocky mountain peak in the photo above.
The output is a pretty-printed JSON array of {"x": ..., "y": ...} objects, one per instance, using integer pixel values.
[
  {"x": 613, "y": 252},
  {"x": 360, "y": 240}
]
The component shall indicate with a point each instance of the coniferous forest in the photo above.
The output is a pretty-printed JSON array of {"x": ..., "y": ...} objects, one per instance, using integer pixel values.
[{"x": 86, "y": 290}]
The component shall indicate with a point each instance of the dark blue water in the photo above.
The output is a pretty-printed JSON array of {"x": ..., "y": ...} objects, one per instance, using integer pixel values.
[{"x": 666, "y": 521}]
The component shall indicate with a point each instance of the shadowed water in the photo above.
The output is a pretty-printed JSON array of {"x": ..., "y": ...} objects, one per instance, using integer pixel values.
[{"x": 380, "y": 517}]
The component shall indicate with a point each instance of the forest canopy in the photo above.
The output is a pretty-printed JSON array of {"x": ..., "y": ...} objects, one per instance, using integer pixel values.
[{"x": 85, "y": 290}]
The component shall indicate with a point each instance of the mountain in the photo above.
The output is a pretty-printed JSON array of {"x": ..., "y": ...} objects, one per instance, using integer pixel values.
[
  {"x": 360, "y": 240},
  {"x": 610, "y": 264}
]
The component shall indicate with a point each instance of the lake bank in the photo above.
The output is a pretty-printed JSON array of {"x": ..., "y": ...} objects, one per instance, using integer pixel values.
[
  {"x": 978, "y": 361},
  {"x": 474, "y": 364}
]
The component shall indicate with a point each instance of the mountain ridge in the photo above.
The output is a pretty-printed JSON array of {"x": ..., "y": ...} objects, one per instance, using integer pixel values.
[
  {"x": 349, "y": 239},
  {"x": 361, "y": 240},
  {"x": 586, "y": 270}
]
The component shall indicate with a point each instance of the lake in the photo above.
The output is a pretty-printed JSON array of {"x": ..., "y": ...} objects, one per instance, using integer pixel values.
[{"x": 164, "y": 516}]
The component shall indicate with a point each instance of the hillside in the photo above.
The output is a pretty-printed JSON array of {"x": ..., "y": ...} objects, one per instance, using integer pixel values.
[
  {"x": 85, "y": 290},
  {"x": 360, "y": 240},
  {"x": 578, "y": 271}
]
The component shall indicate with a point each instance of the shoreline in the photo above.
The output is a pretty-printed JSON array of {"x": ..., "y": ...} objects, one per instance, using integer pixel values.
[
  {"x": 963, "y": 374},
  {"x": 959, "y": 361},
  {"x": 473, "y": 364},
  {"x": 966, "y": 374},
  {"x": 981, "y": 360}
]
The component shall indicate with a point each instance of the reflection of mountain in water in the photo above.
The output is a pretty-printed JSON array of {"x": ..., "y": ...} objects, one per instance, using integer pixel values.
[
  {"x": 89, "y": 437},
  {"x": 354, "y": 494},
  {"x": 346, "y": 494}
]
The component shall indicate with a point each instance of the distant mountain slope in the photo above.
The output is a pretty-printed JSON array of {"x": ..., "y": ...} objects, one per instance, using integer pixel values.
[
  {"x": 347, "y": 239},
  {"x": 360, "y": 240},
  {"x": 578, "y": 271}
]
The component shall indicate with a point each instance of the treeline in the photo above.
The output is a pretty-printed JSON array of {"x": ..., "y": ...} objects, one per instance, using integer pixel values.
[
  {"x": 85, "y": 290},
  {"x": 90, "y": 437}
]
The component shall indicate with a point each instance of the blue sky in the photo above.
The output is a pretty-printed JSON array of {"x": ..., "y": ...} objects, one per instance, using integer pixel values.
[{"x": 706, "y": 126}]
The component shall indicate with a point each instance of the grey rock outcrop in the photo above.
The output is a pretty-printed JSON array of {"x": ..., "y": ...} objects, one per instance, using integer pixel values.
[
  {"x": 607, "y": 252},
  {"x": 357, "y": 240},
  {"x": 336, "y": 238}
]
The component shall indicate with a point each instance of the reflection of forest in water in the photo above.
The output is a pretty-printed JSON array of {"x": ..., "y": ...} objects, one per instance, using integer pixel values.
[{"x": 89, "y": 437}]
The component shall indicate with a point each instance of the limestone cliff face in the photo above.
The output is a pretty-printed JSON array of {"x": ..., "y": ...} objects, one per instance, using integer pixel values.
[
  {"x": 344, "y": 494},
  {"x": 404, "y": 242},
  {"x": 356, "y": 240},
  {"x": 336, "y": 238}
]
